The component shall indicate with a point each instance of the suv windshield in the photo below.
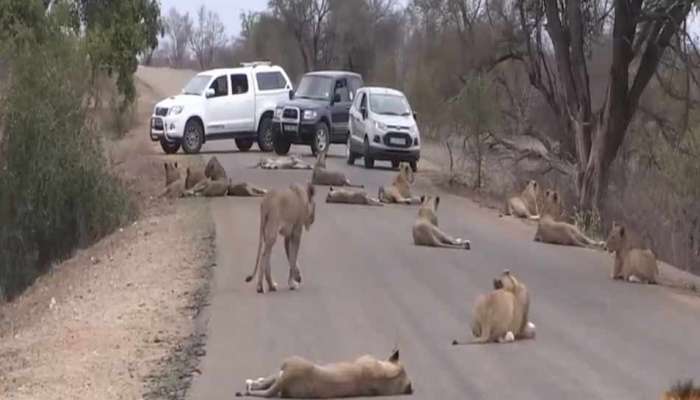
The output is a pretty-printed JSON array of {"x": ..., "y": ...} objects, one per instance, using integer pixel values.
[
  {"x": 389, "y": 104},
  {"x": 196, "y": 85},
  {"x": 314, "y": 87}
]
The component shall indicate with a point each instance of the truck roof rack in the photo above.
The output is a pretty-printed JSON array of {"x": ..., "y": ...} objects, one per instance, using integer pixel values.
[{"x": 256, "y": 63}]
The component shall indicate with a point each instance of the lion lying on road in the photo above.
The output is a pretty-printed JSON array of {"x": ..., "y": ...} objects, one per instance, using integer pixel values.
[
  {"x": 351, "y": 196},
  {"x": 556, "y": 232},
  {"x": 400, "y": 189},
  {"x": 365, "y": 376},
  {"x": 323, "y": 176},
  {"x": 502, "y": 315},
  {"x": 290, "y": 162},
  {"x": 193, "y": 177},
  {"x": 283, "y": 212},
  {"x": 633, "y": 262},
  {"x": 525, "y": 205},
  {"x": 224, "y": 187},
  {"x": 426, "y": 231}
]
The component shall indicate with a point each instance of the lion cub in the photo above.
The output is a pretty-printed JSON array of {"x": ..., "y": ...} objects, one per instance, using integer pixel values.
[
  {"x": 525, "y": 205},
  {"x": 683, "y": 391},
  {"x": 426, "y": 231},
  {"x": 633, "y": 262},
  {"x": 502, "y": 314},
  {"x": 552, "y": 231},
  {"x": 323, "y": 176},
  {"x": 400, "y": 189},
  {"x": 351, "y": 196},
  {"x": 366, "y": 376},
  {"x": 172, "y": 173}
]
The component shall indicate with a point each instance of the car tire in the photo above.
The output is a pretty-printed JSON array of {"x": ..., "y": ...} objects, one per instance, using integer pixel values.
[
  {"x": 414, "y": 166},
  {"x": 244, "y": 144},
  {"x": 266, "y": 141},
  {"x": 280, "y": 144},
  {"x": 369, "y": 161},
  {"x": 321, "y": 140},
  {"x": 193, "y": 138},
  {"x": 169, "y": 147},
  {"x": 350, "y": 154}
]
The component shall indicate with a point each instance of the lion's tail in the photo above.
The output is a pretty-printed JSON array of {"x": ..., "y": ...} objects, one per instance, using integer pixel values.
[{"x": 263, "y": 222}]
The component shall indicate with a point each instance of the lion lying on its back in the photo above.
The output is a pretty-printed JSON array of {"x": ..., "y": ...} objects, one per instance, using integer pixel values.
[{"x": 365, "y": 376}]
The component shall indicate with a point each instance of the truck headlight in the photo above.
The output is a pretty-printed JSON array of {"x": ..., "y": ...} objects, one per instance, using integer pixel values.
[
  {"x": 176, "y": 110},
  {"x": 278, "y": 113},
  {"x": 310, "y": 114}
]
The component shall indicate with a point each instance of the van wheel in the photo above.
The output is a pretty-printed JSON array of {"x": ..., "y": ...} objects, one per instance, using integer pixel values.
[
  {"x": 244, "y": 144},
  {"x": 369, "y": 161},
  {"x": 321, "y": 140},
  {"x": 280, "y": 144},
  {"x": 169, "y": 147},
  {"x": 193, "y": 138},
  {"x": 265, "y": 136},
  {"x": 350, "y": 154}
]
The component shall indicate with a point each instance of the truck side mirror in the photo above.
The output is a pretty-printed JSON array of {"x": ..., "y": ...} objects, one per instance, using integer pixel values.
[
  {"x": 291, "y": 94},
  {"x": 209, "y": 93}
]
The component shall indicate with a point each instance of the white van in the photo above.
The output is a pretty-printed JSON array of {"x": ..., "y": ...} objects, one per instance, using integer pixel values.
[{"x": 383, "y": 127}]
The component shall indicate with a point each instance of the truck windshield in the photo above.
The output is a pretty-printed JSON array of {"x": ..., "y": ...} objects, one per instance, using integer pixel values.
[
  {"x": 314, "y": 87},
  {"x": 389, "y": 104},
  {"x": 196, "y": 85}
]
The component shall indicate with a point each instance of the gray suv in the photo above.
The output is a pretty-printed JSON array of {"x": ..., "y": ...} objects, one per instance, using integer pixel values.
[{"x": 317, "y": 114}]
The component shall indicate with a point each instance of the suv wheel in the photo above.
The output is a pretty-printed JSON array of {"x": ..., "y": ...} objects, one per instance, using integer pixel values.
[
  {"x": 369, "y": 161},
  {"x": 280, "y": 144},
  {"x": 244, "y": 144},
  {"x": 265, "y": 137},
  {"x": 350, "y": 154},
  {"x": 321, "y": 140},
  {"x": 193, "y": 138},
  {"x": 169, "y": 147}
]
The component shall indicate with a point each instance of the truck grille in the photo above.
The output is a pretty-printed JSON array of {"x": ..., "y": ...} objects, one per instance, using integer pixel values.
[
  {"x": 161, "y": 111},
  {"x": 397, "y": 139},
  {"x": 290, "y": 113}
]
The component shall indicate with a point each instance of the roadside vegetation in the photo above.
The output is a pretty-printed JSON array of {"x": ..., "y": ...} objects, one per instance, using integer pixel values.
[
  {"x": 66, "y": 80},
  {"x": 598, "y": 99}
]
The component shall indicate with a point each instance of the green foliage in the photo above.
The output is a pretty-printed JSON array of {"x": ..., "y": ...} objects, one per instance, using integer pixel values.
[
  {"x": 117, "y": 32},
  {"x": 56, "y": 192}
]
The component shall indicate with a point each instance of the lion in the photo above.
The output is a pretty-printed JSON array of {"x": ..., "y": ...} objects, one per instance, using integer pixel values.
[
  {"x": 683, "y": 391},
  {"x": 426, "y": 231},
  {"x": 325, "y": 177},
  {"x": 290, "y": 162},
  {"x": 400, "y": 189},
  {"x": 557, "y": 232},
  {"x": 365, "y": 376},
  {"x": 214, "y": 170},
  {"x": 283, "y": 212},
  {"x": 245, "y": 189},
  {"x": 172, "y": 172},
  {"x": 351, "y": 196},
  {"x": 209, "y": 188},
  {"x": 174, "y": 190},
  {"x": 193, "y": 177},
  {"x": 502, "y": 314},
  {"x": 633, "y": 262},
  {"x": 526, "y": 204}
]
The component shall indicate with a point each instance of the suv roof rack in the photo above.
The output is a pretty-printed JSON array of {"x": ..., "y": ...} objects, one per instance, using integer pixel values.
[{"x": 256, "y": 63}]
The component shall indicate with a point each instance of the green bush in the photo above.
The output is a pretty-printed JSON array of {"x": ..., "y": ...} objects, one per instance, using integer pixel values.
[{"x": 55, "y": 190}]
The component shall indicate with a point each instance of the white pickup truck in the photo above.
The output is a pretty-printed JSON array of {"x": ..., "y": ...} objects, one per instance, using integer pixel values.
[{"x": 231, "y": 103}]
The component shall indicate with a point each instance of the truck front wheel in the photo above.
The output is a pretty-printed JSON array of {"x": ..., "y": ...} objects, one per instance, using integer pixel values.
[
  {"x": 244, "y": 144},
  {"x": 265, "y": 135},
  {"x": 321, "y": 140}
]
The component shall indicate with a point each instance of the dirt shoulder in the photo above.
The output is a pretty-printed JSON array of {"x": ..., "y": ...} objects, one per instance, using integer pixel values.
[{"x": 118, "y": 320}]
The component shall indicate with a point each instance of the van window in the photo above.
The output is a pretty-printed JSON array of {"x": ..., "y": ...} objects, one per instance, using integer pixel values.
[
  {"x": 239, "y": 84},
  {"x": 271, "y": 80}
]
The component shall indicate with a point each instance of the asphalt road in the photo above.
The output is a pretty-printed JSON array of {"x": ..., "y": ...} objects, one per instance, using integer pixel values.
[{"x": 367, "y": 289}]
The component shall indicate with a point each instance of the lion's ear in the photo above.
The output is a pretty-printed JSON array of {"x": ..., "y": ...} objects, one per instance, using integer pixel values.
[{"x": 394, "y": 358}]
